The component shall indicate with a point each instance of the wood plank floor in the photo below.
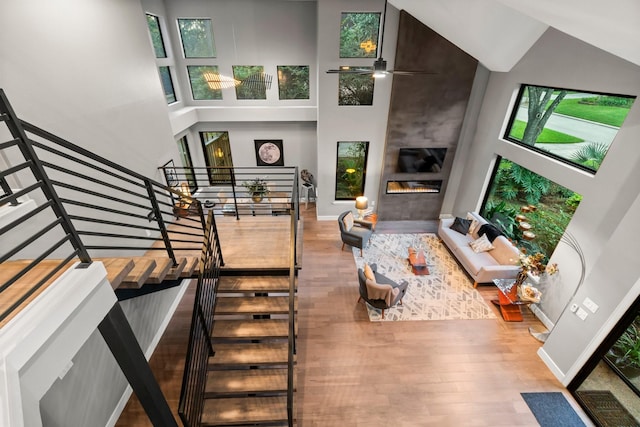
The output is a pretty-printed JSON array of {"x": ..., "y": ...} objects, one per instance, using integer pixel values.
[{"x": 352, "y": 372}]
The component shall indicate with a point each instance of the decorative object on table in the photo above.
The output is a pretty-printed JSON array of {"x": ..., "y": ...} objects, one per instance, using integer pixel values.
[
  {"x": 362, "y": 203},
  {"x": 417, "y": 261},
  {"x": 306, "y": 176},
  {"x": 269, "y": 152},
  {"x": 529, "y": 293},
  {"x": 257, "y": 188}
]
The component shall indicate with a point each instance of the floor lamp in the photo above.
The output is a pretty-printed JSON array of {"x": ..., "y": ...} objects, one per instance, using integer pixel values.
[{"x": 571, "y": 241}]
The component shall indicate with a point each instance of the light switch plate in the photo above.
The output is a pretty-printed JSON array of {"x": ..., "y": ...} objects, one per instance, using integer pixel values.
[
  {"x": 581, "y": 313},
  {"x": 591, "y": 306}
]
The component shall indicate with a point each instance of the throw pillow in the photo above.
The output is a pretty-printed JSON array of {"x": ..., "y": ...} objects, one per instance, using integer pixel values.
[
  {"x": 368, "y": 272},
  {"x": 474, "y": 223},
  {"x": 481, "y": 244},
  {"x": 490, "y": 230},
  {"x": 348, "y": 221},
  {"x": 461, "y": 225}
]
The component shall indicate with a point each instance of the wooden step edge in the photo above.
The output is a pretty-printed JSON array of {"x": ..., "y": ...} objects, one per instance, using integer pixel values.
[
  {"x": 140, "y": 273},
  {"x": 117, "y": 269},
  {"x": 163, "y": 265},
  {"x": 240, "y": 382},
  {"x": 175, "y": 271},
  {"x": 191, "y": 269},
  {"x": 244, "y": 411}
]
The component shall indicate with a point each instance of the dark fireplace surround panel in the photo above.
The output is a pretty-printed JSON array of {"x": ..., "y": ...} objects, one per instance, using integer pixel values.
[{"x": 426, "y": 111}]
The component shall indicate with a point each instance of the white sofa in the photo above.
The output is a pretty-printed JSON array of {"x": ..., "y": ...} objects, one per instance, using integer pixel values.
[{"x": 502, "y": 262}]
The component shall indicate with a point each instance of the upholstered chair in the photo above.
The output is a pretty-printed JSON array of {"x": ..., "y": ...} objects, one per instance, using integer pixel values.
[
  {"x": 380, "y": 292},
  {"x": 354, "y": 232}
]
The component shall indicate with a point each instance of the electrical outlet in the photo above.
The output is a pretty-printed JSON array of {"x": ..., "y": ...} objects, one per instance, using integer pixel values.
[
  {"x": 591, "y": 306},
  {"x": 581, "y": 313}
]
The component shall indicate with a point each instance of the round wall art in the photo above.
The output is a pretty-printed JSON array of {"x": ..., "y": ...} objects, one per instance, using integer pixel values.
[{"x": 269, "y": 153}]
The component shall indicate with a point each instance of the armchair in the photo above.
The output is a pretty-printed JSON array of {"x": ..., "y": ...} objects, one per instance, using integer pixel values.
[
  {"x": 382, "y": 293},
  {"x": 354, "y": 232}
]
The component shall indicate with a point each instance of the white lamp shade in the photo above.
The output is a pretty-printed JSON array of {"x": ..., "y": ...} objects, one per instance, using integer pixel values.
[{"x": 362, "y": 202}]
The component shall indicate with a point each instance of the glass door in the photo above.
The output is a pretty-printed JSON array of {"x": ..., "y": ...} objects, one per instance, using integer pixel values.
[
  {"x": 187, "y": 163},
  {"x": 608, "y": 386},
  {"x": 217, "y": 155}
]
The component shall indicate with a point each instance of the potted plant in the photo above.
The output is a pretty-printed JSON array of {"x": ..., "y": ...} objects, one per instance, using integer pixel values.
[
  {"x": 257, "y": 188},
  {"x": 625, "y": 353}
]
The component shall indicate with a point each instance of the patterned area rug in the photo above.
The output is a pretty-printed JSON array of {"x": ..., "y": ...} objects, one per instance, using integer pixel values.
[{"x": 446, "y": 293}]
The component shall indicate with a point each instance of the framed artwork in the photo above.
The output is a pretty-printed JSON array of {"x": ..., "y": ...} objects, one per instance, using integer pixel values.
[{"x": 269, "y": 152}]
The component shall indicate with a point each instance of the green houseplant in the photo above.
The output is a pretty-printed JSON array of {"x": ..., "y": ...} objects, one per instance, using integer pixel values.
[
  {"x": 257, "y": 188},
  {"x": 625, "y": 353}
]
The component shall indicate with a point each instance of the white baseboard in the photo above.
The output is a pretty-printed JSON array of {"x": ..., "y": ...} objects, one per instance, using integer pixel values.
[{"x": 113, "y": 419}]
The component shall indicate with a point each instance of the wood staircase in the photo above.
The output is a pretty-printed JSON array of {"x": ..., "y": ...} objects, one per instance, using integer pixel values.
[
  {"x": 247, "y": 376},
  {"x": 122, "y": 273}
]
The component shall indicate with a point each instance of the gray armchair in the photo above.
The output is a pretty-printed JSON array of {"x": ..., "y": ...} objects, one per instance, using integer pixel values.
[
  {"x": 384, "y": 293},
  {"x": 357, "y": 234}
]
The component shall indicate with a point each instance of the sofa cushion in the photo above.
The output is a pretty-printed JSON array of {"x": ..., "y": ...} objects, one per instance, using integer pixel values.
[
  {"x": 504, "y": 252},
  {"x": 490, "y": 230},
  {"x": 481, "y": 244},
  {"x": 348, "y": 221},
  {"x": 473, "y": 262},
  {"x": 368, "y": 272},
  {"x": 461, "y": 225}
]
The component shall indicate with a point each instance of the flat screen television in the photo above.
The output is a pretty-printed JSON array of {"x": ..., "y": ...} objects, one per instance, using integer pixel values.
[{"x": 421, "y": 160}]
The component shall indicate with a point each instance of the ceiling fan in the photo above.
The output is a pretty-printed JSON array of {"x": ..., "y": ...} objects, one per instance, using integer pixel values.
[{"x": 379, "y": 68}]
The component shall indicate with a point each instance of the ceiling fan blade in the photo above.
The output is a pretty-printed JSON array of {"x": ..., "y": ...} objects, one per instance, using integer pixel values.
[
  {"x": 350, "y": 71},
  {"x": 410, "y": 72}
]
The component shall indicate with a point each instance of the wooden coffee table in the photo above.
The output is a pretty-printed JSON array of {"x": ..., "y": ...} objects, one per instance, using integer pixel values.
[{"x": 418, "y": 262}]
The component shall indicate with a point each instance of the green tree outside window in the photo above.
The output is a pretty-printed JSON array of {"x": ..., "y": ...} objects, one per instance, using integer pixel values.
[
  {"x": 197, "y": 38},
  {"x": 359, "y": 34},
  {"x": 199, "y": 86},
  {"x": 293, "y": 81},
  {"x": 156, "y": 36}
]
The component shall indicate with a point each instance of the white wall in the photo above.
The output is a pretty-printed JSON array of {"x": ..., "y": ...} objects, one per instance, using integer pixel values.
[
  {"x": 86, "y": 72},
  {"x": 349, "y": 123},
  {"x": 561, "y": 61}
]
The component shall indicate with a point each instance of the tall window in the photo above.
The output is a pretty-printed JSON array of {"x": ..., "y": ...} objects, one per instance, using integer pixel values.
[
  {"x": 351, "y": 169},
  {"x": 197, "y": 38},
  {"x": 576, "y": 127},
  {"x": 359, "y": 34},
  {"x": 530, "y": 210},
  {"x": 187, "y": 163},
  {"x": 167, "y": 84},
  {"x": 156, "y": 36},
  {"x": 200, "y": 88},
  {"x": 217, "y": 155}
]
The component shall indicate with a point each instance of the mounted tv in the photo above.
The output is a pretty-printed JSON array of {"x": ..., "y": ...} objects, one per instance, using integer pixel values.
[{"x": 420, "y": 160}]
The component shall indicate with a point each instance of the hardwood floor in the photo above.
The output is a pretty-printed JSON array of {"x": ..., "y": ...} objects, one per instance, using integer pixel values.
[{"x": 352, "y": 372}]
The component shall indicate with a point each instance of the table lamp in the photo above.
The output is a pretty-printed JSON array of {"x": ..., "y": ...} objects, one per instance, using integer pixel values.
[{"x": 362, "y": 203}]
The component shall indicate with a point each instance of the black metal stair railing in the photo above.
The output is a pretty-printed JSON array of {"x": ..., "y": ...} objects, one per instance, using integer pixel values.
[
  {"x": 67, "y": 204},
  {"x": 200, "y": 346},
  {"x": 222, "y": 188}
]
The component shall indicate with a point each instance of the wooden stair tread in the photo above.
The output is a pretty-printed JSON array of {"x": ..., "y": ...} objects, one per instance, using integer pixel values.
[
  {"x": 249, "y": 354},
  {"x": 19, "y": 288},
  {"x": 242, "y": 411},
  {"x": 141, "y": 271},
  {"x": 253, "y": 305},
  {"x": 242, "y": 329},
  {"x": 117, "y": 269},
  {"x": 159, "y": 272},
  {"x": 175, "y": 271},
  {"x": 253, "y": 284},
  {"x": 191, "y": 267},
  {"x": 246, "y": 381}
]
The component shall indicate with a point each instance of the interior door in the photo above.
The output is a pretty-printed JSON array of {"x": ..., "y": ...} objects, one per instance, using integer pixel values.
[{"x": 217, "y": 155}]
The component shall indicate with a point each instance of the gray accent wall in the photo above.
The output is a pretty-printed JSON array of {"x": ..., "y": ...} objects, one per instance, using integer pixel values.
[{"x": 426, "y": 110}]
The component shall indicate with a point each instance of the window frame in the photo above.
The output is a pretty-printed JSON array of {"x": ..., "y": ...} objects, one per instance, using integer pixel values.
[
  {"x": 514, "y": 112},
  {"x": 363, "y": 172},
  {"x": 164, "y": 45},
  {"x": 173, "y": 87},
  {"x": 211, "y": 34}
]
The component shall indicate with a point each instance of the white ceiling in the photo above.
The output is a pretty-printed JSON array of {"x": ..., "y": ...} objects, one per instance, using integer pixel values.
[{"x": 499, "y": 32}]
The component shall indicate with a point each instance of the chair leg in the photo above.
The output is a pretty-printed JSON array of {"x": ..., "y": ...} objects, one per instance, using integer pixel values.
[
  {"x": 361, "y": 252},
  {"x": 383, "y": 313},
  {"x": 342, "y": 246},
  {"x": 475, "y": 284},
  {"x": 359, "y": 299}
]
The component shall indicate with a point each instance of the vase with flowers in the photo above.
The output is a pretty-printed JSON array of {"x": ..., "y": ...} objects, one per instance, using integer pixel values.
[{"x": 532, "y": 267}]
